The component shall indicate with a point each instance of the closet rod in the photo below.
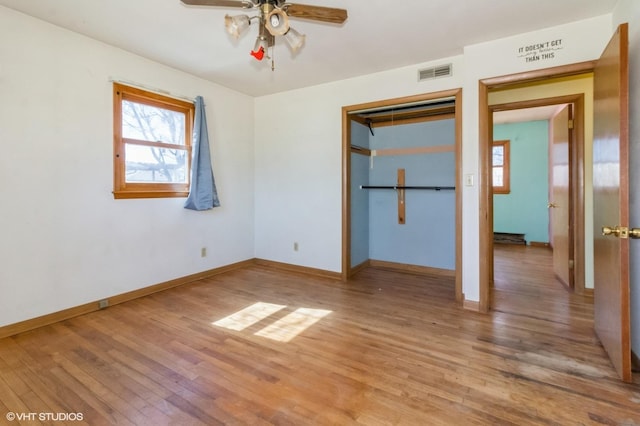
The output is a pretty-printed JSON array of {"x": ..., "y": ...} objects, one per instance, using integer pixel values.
[{"x": 433, "y": 188}]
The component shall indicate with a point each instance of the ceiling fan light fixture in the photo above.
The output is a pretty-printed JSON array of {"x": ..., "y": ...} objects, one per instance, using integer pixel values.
[
  {"x": 235, "y": 25},
  {"x": 277, "y": 22},
  {"x": 295, "y": 39},
  {"x": 273, "y": 21}
]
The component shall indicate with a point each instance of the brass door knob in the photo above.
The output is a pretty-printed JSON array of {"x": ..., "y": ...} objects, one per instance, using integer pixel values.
[
  {"x": 611, "y": 230},
  {"x": 552, "y": 205},
  {"x": 621, "y": 231}
]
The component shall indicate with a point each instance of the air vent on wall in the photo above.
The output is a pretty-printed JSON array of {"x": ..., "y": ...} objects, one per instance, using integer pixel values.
[{"x": 435, "y": 72}]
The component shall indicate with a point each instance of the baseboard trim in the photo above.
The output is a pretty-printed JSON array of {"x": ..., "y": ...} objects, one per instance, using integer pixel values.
[
  {"x": 413, "y": 269},
  {"x": 539, "y": 244},
  {"x": 355, "y": 269},
  {"x": 635, "y": 362},
  {"x": 471, "y": 305},
  {"x": 31, "y": 324},
  {"x": 299, "y": 269}
]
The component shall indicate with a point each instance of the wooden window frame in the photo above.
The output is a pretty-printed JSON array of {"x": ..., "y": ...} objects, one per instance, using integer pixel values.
[
  {"x": 506, "y": 169},
  {"x": 124, "y": 189}
]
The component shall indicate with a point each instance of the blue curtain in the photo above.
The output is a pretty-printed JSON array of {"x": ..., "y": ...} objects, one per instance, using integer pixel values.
[{"x": 202, "y": 193}]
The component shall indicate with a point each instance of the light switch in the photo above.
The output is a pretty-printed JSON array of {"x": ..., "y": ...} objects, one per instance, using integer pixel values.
[{"x": 468, "y": 179}]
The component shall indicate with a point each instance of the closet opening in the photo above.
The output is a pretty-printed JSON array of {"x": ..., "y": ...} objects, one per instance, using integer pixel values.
[{"x": 401, "y": 186}]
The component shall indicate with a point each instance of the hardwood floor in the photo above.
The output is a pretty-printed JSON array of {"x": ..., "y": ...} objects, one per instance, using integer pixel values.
[{"x": 260, "y": 346}]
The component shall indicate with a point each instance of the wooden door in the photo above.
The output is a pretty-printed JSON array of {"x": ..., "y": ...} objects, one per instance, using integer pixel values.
[
  {"x": 611, "y": 202},
  {"x": 559, "y": 203}
]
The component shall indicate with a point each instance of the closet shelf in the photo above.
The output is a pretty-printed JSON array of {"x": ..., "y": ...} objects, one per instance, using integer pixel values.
[{"x": 396, "y": 187}]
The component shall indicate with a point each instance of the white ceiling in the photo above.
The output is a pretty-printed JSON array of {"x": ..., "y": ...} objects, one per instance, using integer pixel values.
[
  {"x": 526, "y": 114},
  {"x": 378, "y": 35}
]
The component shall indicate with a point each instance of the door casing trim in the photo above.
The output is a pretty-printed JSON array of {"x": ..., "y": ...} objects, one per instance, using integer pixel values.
[{"x": 484, "y": 167}]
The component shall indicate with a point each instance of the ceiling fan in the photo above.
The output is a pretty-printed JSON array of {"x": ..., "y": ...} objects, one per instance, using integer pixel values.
[{"x": 273, "y": 20}]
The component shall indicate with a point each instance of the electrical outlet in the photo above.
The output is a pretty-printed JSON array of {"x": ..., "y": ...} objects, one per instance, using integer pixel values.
[
  {"x": 103, "y": 303},
  {"x": 203, "y": 252},
  {"x": 295, "y": 246}
]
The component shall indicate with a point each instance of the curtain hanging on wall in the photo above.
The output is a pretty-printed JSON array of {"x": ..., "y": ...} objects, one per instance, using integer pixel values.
[{"x": 202, "y": 192}]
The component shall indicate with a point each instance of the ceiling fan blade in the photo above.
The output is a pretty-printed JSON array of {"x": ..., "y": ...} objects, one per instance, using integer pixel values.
[
  {"x": 222, "y": 3},
  {"x": 317, "y": 13}
]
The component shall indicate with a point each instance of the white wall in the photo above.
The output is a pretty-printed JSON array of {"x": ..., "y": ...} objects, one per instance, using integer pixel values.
[
  {"x": 64, "y": 240},
  {"x": 629, "y": 11},
  {"x": 299, "y": 164},
  {"x": 298, "y": 141}
]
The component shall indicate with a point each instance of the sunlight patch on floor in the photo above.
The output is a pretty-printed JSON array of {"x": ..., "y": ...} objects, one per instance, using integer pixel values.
[
  {"x": 249, "y": 316},
  {"x": 283, "y": 329},
  {"x": 288, "y": 327}
]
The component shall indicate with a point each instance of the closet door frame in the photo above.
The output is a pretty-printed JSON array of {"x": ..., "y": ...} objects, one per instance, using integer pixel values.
[{"x": 346, "y": 175}]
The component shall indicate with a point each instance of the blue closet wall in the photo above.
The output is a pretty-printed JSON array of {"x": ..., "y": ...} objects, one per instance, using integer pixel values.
[
  {"x": 428, "y": 236},
  {"x": 524, "y": 210},
  {"x": 359, "y": 198}
]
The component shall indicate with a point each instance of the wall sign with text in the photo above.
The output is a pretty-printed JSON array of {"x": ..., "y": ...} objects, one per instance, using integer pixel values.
[{"x": 540, "y": 51}]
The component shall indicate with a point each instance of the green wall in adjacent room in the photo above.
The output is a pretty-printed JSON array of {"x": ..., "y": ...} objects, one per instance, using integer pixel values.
[{"x": 524, "y": 209}]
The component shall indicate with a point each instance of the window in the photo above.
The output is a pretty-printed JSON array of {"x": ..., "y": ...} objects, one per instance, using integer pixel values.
[
  {"x": 151, "y": 143},
  {"x": 501, "y": 167}
]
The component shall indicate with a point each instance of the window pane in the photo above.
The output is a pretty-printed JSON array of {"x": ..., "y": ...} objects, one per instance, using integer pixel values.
[
  {"x": 498, "y": 173},
  {"x": 151, "y": 123},
  {"x": 498, "y": 155},
  {"x": 149, "y": 164}
]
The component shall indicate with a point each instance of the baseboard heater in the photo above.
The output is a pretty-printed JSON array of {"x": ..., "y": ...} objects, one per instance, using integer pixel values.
[{"x": 508, "y": 238}]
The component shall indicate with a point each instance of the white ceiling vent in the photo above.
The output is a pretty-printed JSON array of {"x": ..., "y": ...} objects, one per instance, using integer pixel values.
[{"x": 435, "y": 72}]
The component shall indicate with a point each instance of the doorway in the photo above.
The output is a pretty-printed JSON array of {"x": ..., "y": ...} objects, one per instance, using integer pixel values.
[
  {"x": 545, "y": 201},
  {"x": 354, "y": 113},
  {"x": 517, "y": 82},
  {"x": 609, "y": 191}
]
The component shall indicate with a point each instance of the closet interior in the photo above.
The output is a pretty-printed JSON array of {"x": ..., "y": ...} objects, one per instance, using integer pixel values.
[{"x": 403, "y": 187}]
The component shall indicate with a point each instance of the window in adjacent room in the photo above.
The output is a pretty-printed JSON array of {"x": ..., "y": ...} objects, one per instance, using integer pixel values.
[
  {"x": 501, "y": 167},
  {"x": 152, "y": 144}
]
